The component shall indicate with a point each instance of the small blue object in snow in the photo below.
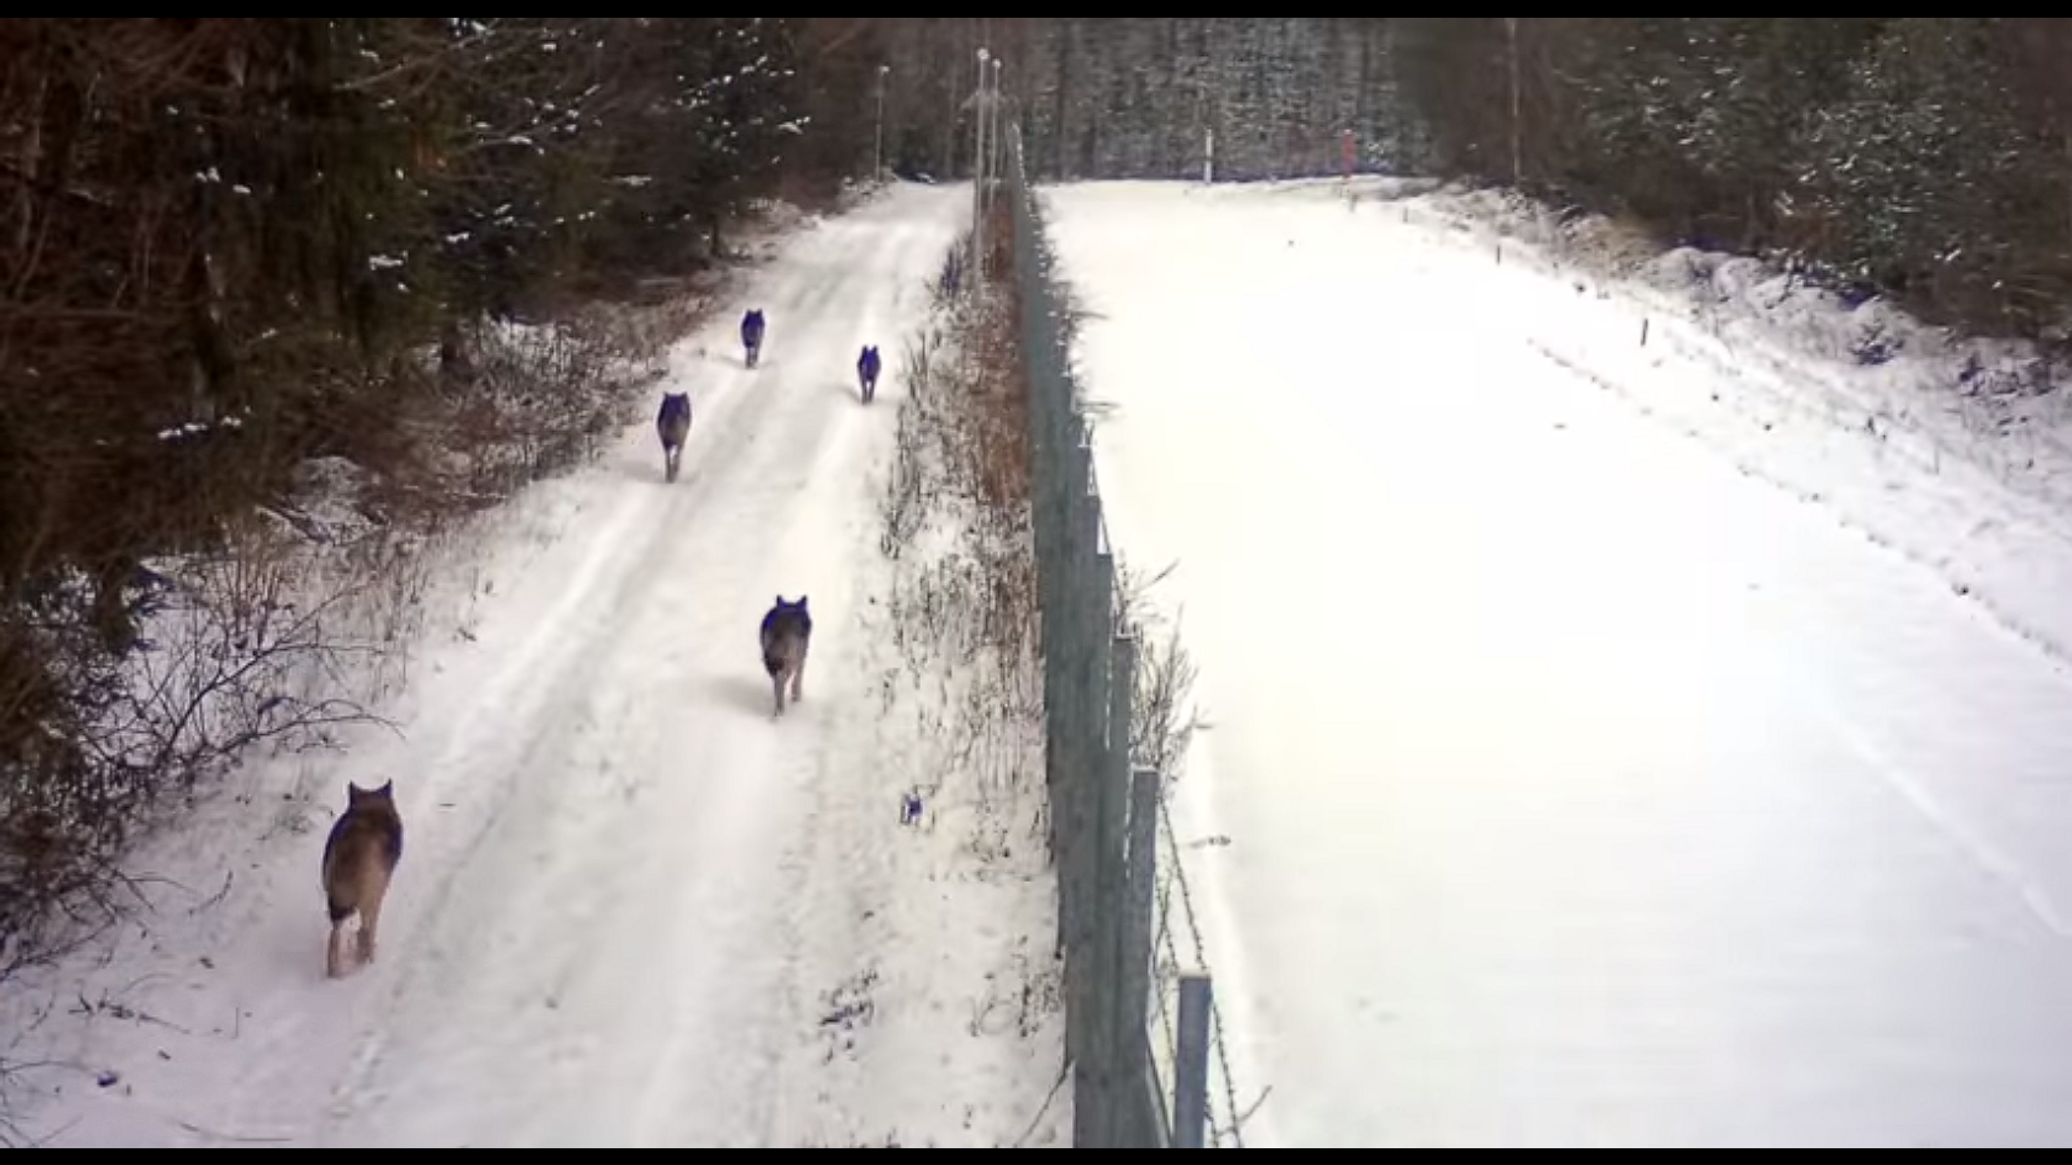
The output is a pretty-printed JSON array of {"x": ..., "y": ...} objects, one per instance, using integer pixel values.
[{"x": 910, "y": 809}]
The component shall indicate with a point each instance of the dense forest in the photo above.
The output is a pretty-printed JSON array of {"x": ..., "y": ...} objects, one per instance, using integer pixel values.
[
  {"x": 1270, "y": 96},
  {"x": 236, "y": 249},
  {"x": 1928, "y": 158}
]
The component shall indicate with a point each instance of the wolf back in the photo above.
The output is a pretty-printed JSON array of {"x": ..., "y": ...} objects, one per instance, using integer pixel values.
[
  {"x": 867, "y": 367},
  {"x": 752, "y": 335},
  {"x": 673, "y": 422},
  {"x": 786, "y": 636},
  {"x": 360, "y": 857}
]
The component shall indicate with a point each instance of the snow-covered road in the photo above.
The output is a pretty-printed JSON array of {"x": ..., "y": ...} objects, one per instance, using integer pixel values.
[
  {"x": 592, "y": 936},
  {"x": 1581, "y": 789},
  {"x": 623, "y": 926}
]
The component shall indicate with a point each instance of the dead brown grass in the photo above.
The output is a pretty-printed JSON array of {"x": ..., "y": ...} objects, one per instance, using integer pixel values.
[
  {"x": 957, "y": 519},
  {"x": 998, "y": 441}
]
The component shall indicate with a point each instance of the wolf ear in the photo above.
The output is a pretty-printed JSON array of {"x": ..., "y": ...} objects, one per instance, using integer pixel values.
[
  {"x": 802, "y": 602},
  {"x": 780, "y": 600}
]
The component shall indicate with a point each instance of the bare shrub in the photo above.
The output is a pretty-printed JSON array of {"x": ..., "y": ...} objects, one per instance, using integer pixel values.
[
  {"x": 1163, "y": 716},
  {"x": 904, "y": 508},
  {"x": 957, "y": 514},
  {"x": 236, "y": 656}
]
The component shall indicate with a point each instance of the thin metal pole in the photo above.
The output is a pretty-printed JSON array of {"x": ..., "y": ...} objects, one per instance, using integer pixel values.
[
  {"x": 993, "y": 137},
  {"x": 1191, "y": 1066},
  {"x": 878, "y": 152},
  {"x": 1517, "y": 139},
  {"x": 978, "y": 176}
]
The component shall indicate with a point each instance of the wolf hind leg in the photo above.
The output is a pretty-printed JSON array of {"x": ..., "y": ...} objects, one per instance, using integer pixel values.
[
  {"x": 334, "y": 951},
  {"x": 370, "y": 923}
]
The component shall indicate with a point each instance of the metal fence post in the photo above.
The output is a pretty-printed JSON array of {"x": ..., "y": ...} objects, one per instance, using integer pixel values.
[
  {"x": 1093, "y": 621},
  {"x": 1061, "y": 664},
  {"x": 1111, "y": 804},
  {"x": 1073, "y": 744},
  {"x": 1104, "y": 815},
  {"x": 1052, "y": 556},
  {"x": 1191, "y": 1065},
  {"x": 1142, "y": 1109}
]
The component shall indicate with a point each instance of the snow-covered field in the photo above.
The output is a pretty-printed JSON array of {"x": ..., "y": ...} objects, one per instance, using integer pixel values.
[
  {"x": 632, "y": 910},
  {"x": 1618, "y": 745}
]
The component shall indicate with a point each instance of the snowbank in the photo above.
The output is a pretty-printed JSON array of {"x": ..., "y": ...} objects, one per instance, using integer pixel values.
[{"x": 1956, "y": 451}]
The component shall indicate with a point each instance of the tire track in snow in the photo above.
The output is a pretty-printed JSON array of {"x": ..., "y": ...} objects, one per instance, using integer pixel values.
[{"x": 664, "y": 926}]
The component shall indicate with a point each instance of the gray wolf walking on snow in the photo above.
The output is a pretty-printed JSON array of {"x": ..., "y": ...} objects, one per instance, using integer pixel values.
[
  {"x": 752, "y": 326},
  {"x": 786, "y": 634},
  {"x": 360, "y": 857},
  {"x": 673, "y": 423},
  {"x": 867, "y": 367}
]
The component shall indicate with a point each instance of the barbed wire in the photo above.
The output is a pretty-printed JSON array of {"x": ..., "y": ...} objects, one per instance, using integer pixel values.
[
  {"x": 1176, "y": 875},
  {"x": 1052, "y": 366}
]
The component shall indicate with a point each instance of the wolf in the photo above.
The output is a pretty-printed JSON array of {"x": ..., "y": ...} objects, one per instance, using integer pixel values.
[
  {"x": 752, "y": 335},
  {"x": 360, "y": 857},
  {"x": 786, "y": 634},
  {"x": 673, "y": 423},
  {"x": 867, "y": 367}
]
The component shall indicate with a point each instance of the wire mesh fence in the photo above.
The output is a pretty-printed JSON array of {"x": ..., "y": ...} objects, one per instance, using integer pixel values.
[{"x": 1142, "y": 1032}]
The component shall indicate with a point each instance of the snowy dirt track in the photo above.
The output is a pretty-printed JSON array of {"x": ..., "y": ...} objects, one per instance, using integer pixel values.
[
  {"x": 1581, "y": 788},
  {"x": 593, "y": 932}
]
